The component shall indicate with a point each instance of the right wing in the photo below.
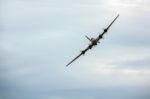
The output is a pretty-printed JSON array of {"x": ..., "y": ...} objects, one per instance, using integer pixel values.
[
  {"x": 112, "y": 22},
  {"x": 106, "y": 29}
]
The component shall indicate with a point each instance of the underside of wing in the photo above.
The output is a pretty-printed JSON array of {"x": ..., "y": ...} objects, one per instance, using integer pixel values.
[
  {"x": 74, "y": 59},
  {"x": 112, "y": 22},
  {"x": 82, "y": 53}
]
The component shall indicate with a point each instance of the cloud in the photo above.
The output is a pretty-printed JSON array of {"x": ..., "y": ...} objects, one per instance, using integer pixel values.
[
  {"x": 136, "y": 64},
  {"x": 39, "y": 38}
]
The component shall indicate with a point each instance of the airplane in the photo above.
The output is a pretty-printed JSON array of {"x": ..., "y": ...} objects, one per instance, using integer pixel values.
[{"x": 94, "y": 41}]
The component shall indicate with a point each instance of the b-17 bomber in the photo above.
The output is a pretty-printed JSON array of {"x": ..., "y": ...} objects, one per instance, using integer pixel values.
[{"x": 93, "y": 41}]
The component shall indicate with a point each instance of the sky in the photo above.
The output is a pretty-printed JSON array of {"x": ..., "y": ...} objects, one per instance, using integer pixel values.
[{"x": 38, "y": 38}]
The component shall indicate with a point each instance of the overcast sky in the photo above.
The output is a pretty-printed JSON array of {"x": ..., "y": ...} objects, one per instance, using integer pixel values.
[{"x": 38, "y": 38}]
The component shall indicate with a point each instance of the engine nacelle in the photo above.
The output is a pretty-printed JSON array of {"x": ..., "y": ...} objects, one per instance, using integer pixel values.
[{"x": 105, "y": 30}]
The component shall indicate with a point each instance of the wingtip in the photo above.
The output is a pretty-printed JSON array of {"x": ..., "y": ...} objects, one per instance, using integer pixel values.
[
  {"x": 67, "y": 65},
  {"x": 118, "y": 15}
]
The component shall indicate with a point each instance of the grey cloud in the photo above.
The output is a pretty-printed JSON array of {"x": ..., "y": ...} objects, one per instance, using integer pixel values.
[
  {"x": 97, "y": 93},
  {"x": 39, "y": 38},
  {"x": 135, "y": 64}
]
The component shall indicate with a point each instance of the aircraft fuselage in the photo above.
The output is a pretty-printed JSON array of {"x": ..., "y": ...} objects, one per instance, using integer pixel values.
[{"x": 93, "y": 43}]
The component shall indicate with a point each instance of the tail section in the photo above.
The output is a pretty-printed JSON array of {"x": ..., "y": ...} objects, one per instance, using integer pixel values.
[{"x": 88, "y": 38}]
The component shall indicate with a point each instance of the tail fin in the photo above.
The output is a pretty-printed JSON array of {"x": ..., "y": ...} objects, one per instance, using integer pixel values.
[{"x": 88, "y": 38}]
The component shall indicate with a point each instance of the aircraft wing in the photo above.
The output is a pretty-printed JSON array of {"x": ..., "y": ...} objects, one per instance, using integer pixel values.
[
  {"x": 74, "y": 59},
  {"x": 105, "y": 30},
  {"x": 112, "y": 22},
  {"x": 82, "y": 53}
]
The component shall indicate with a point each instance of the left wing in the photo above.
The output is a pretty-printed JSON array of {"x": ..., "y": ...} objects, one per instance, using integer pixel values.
[
  {"x": 82, "y": 53},
  {"x": 74, "y": 59}
]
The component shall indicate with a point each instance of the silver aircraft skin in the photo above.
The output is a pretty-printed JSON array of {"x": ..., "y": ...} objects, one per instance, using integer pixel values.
[{"x": 94, "y": 41}]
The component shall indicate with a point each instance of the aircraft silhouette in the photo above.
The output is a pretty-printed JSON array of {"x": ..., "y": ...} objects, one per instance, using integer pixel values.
[{"x": 94, "y": 41}]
